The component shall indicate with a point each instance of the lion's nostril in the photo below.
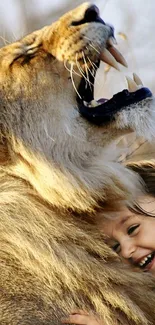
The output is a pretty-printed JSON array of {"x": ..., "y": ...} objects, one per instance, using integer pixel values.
[{"x": 91, "y": 14}]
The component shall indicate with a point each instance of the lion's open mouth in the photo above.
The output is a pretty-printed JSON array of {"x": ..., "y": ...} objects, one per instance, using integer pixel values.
[{"x": 103, "y": 110}]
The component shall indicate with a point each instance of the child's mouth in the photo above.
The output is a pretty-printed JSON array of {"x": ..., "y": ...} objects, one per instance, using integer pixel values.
[{"x": 147, "y": 262}]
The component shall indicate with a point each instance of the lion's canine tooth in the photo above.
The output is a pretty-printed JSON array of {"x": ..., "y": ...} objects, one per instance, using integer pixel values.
[
  {"x": 132, "y": 86},
  {"x": 108, "y": 58},
  {"x": 118, "y": 56},
  {"x": 137, "y": 79}
]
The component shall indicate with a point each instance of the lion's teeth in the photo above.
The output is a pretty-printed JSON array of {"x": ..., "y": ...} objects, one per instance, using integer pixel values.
[
  {"x": 132, "y": 86},
  {"x": 118, "y": 56},
  {"x": 85, "y": 103},
  {"x": 137, "y": 80},
  {"x": 93, "y": 103},
  {"x": 108, "y": 58}
]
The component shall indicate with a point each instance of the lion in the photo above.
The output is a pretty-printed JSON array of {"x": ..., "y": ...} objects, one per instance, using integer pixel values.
[{"x": 59, "y": 168}]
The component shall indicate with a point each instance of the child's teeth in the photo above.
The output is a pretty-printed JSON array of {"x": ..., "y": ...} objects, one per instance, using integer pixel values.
[{"x": 145, "y": 259}]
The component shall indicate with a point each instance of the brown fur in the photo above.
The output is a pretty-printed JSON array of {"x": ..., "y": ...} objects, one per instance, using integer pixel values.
[{"x": 56, "y": 172}]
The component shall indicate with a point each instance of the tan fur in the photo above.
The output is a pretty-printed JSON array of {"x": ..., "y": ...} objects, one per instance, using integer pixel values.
[{"x": 56, "y": 172}]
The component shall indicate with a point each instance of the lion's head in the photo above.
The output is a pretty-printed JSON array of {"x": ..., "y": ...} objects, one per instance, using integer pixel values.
[
  {"x": 47, "y": 82},
  {"x": 58, "y": 166}
]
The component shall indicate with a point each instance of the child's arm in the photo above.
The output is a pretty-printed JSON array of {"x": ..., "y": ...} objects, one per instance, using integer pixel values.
[{"x": 81, "y": 317}]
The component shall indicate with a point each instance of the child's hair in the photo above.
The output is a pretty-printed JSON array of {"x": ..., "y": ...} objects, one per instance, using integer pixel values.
[{"x": 147, "y": 172}]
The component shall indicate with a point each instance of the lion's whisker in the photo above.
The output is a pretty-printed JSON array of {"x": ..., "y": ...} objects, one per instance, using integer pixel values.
[
  {"x": 74, "y": 72},
  {"x": 4, "y": 40},
  {"x": 92, "y": 45},
  {"x": 89, "y": 39},
  {"x": 47, "y": 134},
  {"x": 77, "y": 74},
  {"x": 94, "y": 48},
  {"x": 66, "y": 66},
  {"x": 82, "y": 72},
  {"x": 71, "y": 74},
  {"x": 86, "y": 67},
  {"x": 92, "y": 72},
  {"x": 79, "y": 68},
  {"x": 92, "y": 64}
]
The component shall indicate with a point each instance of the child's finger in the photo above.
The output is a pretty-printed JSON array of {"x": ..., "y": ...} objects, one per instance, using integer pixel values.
[
  {"x": 76, "y": 319},
  {"x": 82, "y": 320}
]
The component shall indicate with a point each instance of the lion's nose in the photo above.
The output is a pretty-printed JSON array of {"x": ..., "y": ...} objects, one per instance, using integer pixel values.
[{"x": 91, "y": 14}]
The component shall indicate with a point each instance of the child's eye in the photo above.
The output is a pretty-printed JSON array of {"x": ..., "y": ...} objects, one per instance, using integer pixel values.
[
  {"x": 132, "y": 229},
  {"x": 116, "y": 248}
]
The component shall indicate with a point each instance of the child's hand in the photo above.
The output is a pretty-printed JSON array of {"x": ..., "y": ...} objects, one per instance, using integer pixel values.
[{"x": 82, "y": 317}]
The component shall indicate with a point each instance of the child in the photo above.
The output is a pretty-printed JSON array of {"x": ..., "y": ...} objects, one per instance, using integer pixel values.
[{"x": 131, "y": 233}]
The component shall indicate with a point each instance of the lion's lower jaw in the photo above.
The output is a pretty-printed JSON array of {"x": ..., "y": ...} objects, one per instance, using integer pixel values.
[{"x": 139, "y": 118}]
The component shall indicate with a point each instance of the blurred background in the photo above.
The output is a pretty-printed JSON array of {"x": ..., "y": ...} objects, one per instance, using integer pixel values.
[{"x": 134, "y": 22}]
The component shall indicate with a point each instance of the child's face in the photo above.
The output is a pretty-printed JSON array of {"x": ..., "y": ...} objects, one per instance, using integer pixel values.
[{"x": 132, "y": 235}]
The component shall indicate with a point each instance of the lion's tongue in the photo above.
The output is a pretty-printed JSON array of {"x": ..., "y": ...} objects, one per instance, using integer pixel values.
[
  {"x": 95, "y": 103},
  {"x": 102, "y": 100}
]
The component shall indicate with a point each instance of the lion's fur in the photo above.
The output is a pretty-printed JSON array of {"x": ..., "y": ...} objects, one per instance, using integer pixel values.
[{"x": 57, "y": 172}]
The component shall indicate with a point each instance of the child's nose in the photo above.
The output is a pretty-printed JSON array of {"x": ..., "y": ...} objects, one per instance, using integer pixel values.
[{"x": 127, "y": 249}]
